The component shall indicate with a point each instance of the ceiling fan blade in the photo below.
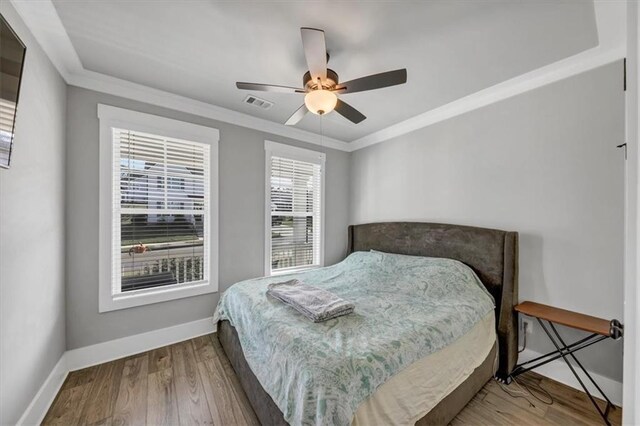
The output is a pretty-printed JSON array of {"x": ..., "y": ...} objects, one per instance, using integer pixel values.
[
  {"x": 315, "y": 50},
  {"x": 268, "y": 87},
  {"x": 297, "y": 116},
  {"x": 374, "y": 81},
  {"x": 349, "y": 112}
]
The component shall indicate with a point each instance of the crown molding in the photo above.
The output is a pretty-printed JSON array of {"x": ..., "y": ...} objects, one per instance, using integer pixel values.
[
  {"x": 43, "y": 21},
  {"x": 126, "y": 89},
  {"x": 524, "y": 83},
  {"x": 610, "y": 22}
]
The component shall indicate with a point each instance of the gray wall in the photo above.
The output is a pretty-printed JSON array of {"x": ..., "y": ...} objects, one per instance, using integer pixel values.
[
  {"x": 241, "y": 244},
  {"x": 543, "y": 163},
  {"x": 32, "y": 280}
]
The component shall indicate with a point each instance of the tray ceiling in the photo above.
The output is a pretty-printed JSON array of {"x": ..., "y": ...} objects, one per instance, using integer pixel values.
[{"x": 199, "y": 49}]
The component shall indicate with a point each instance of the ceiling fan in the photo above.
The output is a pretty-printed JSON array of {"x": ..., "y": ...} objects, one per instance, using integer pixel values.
[{"x": 321, "y": 84}]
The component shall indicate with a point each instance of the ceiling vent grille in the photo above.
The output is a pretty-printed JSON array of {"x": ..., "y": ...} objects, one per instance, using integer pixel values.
[{"x": 257, "y": 102}]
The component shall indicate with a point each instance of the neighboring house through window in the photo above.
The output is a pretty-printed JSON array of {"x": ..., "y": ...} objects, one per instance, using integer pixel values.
[
  {"x": 158, "y": 210},
  {"x": 294, "y": 208}
]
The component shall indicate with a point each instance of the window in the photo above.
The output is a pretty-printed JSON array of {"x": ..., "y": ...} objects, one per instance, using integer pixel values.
[
  {"x": 294, "y": 207},
  {"x": 158, "y": 209}
]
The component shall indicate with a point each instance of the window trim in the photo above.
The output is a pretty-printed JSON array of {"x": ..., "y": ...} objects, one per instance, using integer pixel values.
[
  {"x": 111, "y": 117},
  {"x": 301, "y": 154}
]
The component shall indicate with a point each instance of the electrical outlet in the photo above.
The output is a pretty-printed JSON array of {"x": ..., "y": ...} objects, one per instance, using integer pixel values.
[{"x": 527, "y": 326}]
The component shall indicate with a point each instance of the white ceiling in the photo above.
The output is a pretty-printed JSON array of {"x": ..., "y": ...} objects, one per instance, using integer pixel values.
[{"x": 199, "y": 49}]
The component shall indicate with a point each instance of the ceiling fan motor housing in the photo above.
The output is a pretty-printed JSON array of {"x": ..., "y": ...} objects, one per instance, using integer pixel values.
[{"x": 329, "y": 83}]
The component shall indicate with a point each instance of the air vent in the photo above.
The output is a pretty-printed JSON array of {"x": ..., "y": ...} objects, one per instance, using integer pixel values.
[{"x": 260, "y": 103}]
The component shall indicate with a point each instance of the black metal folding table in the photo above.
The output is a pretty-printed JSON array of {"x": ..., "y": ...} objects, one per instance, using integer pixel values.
[{"x": 599, "y": 328}]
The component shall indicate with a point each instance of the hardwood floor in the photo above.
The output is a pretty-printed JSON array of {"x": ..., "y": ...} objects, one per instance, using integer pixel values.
[
  {"x": 192, "y": 382},
  {"x": 494, "y": 406}
]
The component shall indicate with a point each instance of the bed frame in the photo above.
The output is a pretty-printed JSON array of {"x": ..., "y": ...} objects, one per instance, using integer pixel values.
[{"x": 491, "y": 253}]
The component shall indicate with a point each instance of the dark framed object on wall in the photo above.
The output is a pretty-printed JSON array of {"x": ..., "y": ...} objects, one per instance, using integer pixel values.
[{"x": 12, "y": 54}]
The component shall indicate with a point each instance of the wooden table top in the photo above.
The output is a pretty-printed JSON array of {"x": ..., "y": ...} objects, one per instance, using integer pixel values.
[{"x": 565, "y": 317}]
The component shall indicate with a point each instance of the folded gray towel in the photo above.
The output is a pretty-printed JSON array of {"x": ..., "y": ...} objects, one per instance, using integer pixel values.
[{"x": 314, "y": 303}]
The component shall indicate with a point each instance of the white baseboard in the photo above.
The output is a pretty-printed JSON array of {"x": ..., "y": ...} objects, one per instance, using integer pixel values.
[
  {"x": 558, "y": 371},
  {"x": 35, "y": 412},
  {"x": 131, "y": 345},
  {"x": 99, "y": 353},
  {"x": 76, "y": 359}
]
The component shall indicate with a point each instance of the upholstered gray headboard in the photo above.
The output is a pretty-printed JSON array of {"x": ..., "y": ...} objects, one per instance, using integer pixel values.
[{"x": 491, "y": 253}]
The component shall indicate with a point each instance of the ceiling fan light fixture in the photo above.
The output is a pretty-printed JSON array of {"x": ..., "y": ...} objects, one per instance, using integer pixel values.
[
  {"x": 320, "y": 101},
  {"x": 320, "y": 84}
]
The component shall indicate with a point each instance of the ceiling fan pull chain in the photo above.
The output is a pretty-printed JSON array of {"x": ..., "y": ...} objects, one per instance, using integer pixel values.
[{"x": 321, "y": 132}]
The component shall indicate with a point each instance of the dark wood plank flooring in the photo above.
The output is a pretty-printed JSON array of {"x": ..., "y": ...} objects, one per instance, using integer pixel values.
[{"x": 193, "y": 383}]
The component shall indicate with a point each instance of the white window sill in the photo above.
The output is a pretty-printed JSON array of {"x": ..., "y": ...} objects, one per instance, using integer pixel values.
[{"x": 131, "y": 299}]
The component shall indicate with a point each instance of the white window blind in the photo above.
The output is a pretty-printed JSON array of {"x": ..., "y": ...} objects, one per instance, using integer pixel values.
[
  {"x": 160, "y": 211},
  {"x": 295, "y": 199}
]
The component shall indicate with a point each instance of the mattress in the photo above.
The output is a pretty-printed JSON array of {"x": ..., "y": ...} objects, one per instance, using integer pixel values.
[
  {"x": 407, "y": 308},
  {"x": 269, "y": 414},
  {"x": 413, "y": 392}
]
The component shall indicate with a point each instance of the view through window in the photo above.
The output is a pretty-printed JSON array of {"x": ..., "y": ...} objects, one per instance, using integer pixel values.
[
  {"x": 295, "y": 197},
  {"x": 160, "y": 211}
]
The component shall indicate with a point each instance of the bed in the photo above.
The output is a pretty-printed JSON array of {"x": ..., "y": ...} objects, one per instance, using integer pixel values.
[{"x": 430, "y": 389}]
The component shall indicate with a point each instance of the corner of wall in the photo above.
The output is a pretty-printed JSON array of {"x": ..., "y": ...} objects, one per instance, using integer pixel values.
[{"x": 32, "y": 224}]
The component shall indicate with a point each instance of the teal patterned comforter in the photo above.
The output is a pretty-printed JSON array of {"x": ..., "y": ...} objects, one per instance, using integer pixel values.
[{"x": 407, "y": 307}]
